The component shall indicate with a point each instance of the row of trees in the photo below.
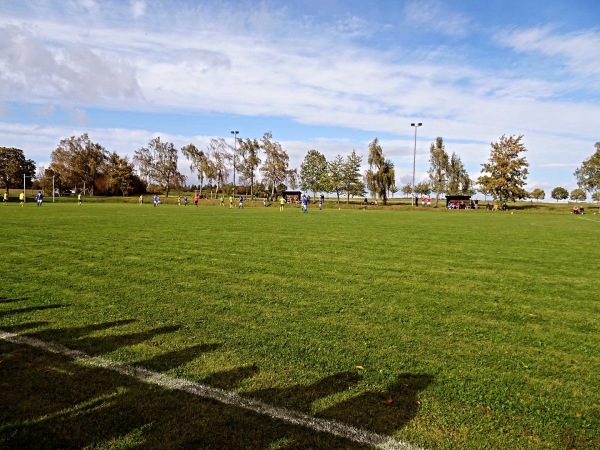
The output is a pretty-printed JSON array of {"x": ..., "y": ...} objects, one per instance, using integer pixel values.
[
  {"x": 505, "y": 173},
  {"x": 340, "y": 176},
  {"x": 446, "y": 174},
  {"x": 77, "y": 162},
  {"x": 158, "y": 163},
  {"x": 503, "y": 176},
  {"x": 560, "y": 193}
]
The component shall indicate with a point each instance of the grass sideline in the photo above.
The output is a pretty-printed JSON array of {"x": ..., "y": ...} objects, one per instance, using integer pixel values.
[
  {"x": 401, "y": 203},
  {"x": 446, "y": 329}
]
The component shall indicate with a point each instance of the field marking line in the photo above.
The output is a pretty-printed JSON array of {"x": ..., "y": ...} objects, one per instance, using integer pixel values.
[
  {"x": 290, "y": 416},
  {"x": 589, "y": 220}
]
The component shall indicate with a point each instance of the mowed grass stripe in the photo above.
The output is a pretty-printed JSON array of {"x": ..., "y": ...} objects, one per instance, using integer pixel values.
[{"x": 485, "y": 310}]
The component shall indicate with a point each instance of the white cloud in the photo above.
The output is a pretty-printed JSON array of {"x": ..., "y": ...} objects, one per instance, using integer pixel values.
[
  {"x": 261, "y": 62},
  {"x": 138, "y": 8},
  {"x": 36, "y": 69},
  {"x": 436, "y": 17},
  {"x": 579, "y": 49},
  {"x": 90, "y": 6}
]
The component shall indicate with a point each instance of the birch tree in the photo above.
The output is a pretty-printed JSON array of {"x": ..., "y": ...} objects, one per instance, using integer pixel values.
[
  {"x": 219, "y": 157},
  {"x": 275, "y": 166},
  {"x": 381, "y": 174},
  {"x": 438, "y": 160},
  {"x": 198, "y": 161},
  {"x": 158, "y": 162},
  {"x": 249, "y": 151}
]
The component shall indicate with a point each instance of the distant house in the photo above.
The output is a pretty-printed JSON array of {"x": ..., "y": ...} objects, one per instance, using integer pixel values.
[{"x": 292, "y": 196}]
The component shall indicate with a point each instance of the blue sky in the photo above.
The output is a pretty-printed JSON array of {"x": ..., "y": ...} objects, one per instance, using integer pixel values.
[{"x": 329, "y": 75}]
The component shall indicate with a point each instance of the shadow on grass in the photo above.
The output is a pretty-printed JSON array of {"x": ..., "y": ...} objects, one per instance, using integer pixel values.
[
  {"x": 230, "y": 379},
  {"x": 76, "y": 338},
  {"x": 11, "y": 312},
  {"x": 23, "y": 326},
  {"x": 11, "y": 300},
  {"x": 301, "y": 397},
  {"x": 383, "y": 412},
  {"x": 164, "y": 362},
  {"x": 49, "y": 401}
]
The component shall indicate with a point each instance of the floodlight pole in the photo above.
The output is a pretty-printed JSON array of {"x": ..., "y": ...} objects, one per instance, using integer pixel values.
[
  {"x": 416, "y": 125},
  {"x": 235, "y": 133}
]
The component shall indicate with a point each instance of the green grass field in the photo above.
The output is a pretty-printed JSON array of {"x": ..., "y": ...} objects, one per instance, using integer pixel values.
[{"x": 444, "y": 329}]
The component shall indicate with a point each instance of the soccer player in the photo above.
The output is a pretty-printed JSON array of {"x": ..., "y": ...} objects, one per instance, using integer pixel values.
[
  {"x": 304, "y": 204},
  {"x": 230, "y": 201},
  {"x": 79, "y": 199},
  {"x": 241, "y": 202},
  {"x": 22, "y": 198},
  {"x": 39, "y": 198},
  {"x": 281, "y": 203},
  {"x": 5, "y": 199}
]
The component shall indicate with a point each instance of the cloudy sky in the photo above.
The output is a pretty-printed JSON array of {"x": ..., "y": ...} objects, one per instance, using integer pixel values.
[{"x": 329, "y": 75}]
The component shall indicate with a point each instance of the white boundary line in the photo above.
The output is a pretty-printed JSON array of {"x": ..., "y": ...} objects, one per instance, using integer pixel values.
[
  {"x": 333, "y": 427},
  {"x": 589, "y": 220}
]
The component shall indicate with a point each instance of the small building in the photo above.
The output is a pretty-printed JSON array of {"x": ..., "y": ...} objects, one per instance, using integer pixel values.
[
  {"x": 460, "y": 201},
  {"x": 292, "y": 196}
]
